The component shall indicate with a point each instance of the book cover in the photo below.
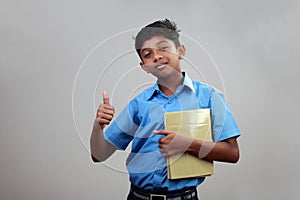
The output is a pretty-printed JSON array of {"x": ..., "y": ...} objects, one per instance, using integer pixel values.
[{"x": 195, "y": 124}]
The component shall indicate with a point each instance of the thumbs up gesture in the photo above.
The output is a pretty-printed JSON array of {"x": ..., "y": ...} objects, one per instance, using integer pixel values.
[{"x": 105, "y": 111}]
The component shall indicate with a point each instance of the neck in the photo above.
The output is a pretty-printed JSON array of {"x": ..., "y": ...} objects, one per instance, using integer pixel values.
[{"x": 168, "y": 86}]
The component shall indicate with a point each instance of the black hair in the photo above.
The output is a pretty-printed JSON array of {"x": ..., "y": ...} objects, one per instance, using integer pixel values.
[{"x": 165, "y": 28}]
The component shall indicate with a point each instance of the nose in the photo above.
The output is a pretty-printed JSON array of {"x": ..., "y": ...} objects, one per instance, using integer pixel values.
[{"x": 157, "y": 56}]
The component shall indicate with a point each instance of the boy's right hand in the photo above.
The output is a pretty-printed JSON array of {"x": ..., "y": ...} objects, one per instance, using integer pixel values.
[{"x": 105, "y": 111}]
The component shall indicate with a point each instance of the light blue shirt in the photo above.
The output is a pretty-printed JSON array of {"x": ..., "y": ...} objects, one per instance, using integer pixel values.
[{"x": 145, "y": 113}]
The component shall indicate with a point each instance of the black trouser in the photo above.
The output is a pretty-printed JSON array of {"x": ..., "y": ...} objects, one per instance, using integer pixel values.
[{"x": 140, "y": 194}]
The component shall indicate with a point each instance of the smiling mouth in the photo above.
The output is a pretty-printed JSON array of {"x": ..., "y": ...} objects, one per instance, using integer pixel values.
[{"x": 161, "y": 66}]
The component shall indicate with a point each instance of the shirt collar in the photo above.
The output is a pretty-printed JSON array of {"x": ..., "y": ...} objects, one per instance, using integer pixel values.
[
  {"x": 188, "y": 82},
  {"x": 155, "y": 89}
]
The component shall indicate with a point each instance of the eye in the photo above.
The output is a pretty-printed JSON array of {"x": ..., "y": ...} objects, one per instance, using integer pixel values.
[
  {"x": 146, "y": 55},
  {"x": 163, "y": 48}
]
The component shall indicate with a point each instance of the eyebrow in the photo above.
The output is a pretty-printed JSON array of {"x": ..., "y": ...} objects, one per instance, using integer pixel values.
[{"x": 162, "y": 41}]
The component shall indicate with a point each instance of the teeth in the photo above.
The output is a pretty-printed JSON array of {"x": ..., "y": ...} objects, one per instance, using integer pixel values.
[{"x": 160, "y": 66}]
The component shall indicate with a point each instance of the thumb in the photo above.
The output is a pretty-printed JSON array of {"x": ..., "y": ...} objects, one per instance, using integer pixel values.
[{"x": 105, "y": 97}]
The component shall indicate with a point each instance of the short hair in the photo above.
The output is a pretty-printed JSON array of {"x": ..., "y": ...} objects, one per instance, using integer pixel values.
[{"x": 165, "y": 28}]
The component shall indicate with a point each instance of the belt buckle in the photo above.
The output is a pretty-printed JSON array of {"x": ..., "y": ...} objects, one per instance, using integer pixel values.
[{"x": 158, "y": 197}]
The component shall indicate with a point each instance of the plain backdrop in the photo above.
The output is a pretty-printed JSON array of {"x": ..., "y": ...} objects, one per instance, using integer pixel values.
[{"x": 56, "y": 58}]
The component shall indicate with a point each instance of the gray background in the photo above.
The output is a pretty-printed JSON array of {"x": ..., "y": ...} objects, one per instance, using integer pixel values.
[{"x": 50, "y": 88}]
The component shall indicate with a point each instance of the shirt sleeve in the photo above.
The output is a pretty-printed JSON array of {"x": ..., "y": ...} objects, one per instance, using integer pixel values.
[
  {"x": 223, "y": 123},
  {"x": 121, "y": 131}
]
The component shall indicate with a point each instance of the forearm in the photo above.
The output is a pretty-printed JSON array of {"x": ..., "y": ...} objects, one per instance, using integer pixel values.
[
  {"x": 100, "y": 148},
  {"x": 225, "y": 151}
]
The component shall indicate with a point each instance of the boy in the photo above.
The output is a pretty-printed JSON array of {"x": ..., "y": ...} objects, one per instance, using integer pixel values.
[{"x": 142, "y": 122}]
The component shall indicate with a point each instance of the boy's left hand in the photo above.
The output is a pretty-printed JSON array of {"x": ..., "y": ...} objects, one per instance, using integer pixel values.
[{"x": 172, "y": 143}]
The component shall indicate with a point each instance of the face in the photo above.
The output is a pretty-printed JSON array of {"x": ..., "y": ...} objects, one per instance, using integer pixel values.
[{"x": 160, "y": 56}]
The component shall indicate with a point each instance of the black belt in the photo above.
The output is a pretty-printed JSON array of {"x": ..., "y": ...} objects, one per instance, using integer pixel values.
[{"x": 186, "y": 193}]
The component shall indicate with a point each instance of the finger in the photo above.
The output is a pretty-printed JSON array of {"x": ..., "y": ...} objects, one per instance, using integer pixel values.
[
  {"x": 162, "y": 132},
  {"x": 103, "y": 122},
  {"x": 105, "y": 97},
  {"x": 164, "y": 152},
  {"x": 161, "y": 146},
  {"x": 107, "y": 109},
  {"x": 105, "y": 117}
]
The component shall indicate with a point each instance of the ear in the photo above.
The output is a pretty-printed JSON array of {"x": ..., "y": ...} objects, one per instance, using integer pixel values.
[
  {"x": 181, "y": 51},
  {"x": 144, "y": 67}
]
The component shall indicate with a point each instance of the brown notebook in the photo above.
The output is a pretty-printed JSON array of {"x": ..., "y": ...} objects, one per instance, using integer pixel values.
[{"x": 195, "y": 124}]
